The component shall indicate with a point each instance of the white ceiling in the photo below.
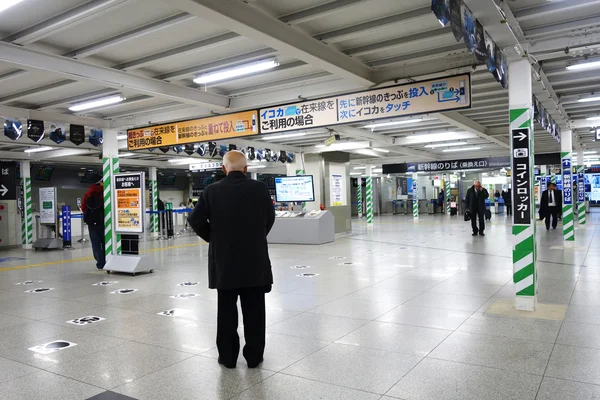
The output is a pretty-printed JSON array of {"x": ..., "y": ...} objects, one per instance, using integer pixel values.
[{"x": 150, "y": 50}]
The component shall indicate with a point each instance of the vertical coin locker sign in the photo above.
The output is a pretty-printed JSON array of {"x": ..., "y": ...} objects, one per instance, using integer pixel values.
[
  {"x": 129, "y": 210},
  {"x": 48, "y": 205},
  {"x": 66, "y": 225},
  {"x": 523, "y": 212}
]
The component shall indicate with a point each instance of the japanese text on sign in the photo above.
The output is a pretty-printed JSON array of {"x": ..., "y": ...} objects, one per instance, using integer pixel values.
[
  {"x": 453, "y": 165},
  {"x": 567, "y": 181},
  {"x": 581, "y": 186},
  {"x": 522, "y": 192},
  {"x": 129, "y": 210},
  {"x": 194, "y": 131},
  {"x": 415, "y": 98}
]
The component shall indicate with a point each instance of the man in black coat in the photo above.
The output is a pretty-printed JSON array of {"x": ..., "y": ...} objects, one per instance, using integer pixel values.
[
  {"x": 551, "y": 205},
  {"x": 475, "y": 199},
  {"x": 235, "y": 216},
  {"x": 507, "y": 196}
]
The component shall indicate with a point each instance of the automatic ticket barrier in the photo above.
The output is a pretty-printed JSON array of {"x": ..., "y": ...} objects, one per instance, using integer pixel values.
[{"x": 8, "y": 222}]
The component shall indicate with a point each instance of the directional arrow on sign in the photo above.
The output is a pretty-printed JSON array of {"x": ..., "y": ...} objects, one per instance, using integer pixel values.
[
  {"x": 3, "y": 190},
  {"x": 521, "y": 136}
]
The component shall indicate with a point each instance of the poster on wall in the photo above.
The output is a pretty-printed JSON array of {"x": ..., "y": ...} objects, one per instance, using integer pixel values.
[
  {"x": 337, "y": 190},
  {"x": 468, "y": 28},
  {"x": 441, "y": 9},
  {"x": 456, "y": 19},
  {"x": 129, "y": 210},
  {"x": 480, "y": 49},
  {"x": 48, "y": 205}
]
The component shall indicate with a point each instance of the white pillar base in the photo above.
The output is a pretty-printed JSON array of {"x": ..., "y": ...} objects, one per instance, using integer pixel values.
[
  {"x": 525, "y": 303},
  {"x": 581, "y": 226},
  {"x": 27, "y": 246},
  {"x": 569, "y": 245}
]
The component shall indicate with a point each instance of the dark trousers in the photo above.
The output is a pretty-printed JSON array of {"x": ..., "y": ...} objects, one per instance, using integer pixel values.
[
  {"x": 253, "y": 312},
  {"x": 552, "y": 213},
  {"x": 97, "y": 240},
  {"x": 475, "y": 215},
  {"x": 509, "y": 209}
]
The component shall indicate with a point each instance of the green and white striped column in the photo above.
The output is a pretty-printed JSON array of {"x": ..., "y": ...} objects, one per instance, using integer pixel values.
[
  {"x": 369, "y": 200},
  {"x": 415, "y": 191},
  {"x": 553, "y": 178},
  {"x": 523, "y": 184},
  {"x": 359, "y": 197},
  {"x": 581, "y": 215},
  {"x": 154, "y": 200},
  {"x": 115, "y": 170},
  {"x": 447, "y": 192},
  {"x": 108, "y": 223},
  {"x": 566, "y": 147},
  {"x": 27, "y": 220}
]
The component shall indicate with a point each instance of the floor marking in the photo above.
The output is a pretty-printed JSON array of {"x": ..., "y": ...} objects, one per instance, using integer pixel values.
[{"x": 48, "y": 263}]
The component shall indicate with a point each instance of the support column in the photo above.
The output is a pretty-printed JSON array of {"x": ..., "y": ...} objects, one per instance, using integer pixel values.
[
  {"x": 523, "y": 182},
  {"x": 370, "y": 195},
  {"x": 566, "y": 150},
  {"x": 581, "y": 215},
  {"x": 153, "y": 178},
  {"x": 27, "y": 220},
  {"x": 110, "y": 166},
  {"x": 447, "y": 193},
  {"x": 359, "y": 196},
  {"x": 415, "y": 190}
]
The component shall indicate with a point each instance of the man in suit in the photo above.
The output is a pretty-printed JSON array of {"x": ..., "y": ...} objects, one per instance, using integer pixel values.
[
  {"x": 507, "y": 196},
  {"x": 475, "y": 199},
  {"x": 235, "y": 216},
  {"x": 551, "y": 205}
]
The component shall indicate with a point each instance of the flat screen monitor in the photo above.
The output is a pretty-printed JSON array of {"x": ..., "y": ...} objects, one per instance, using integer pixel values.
[
  {"x": 44, "y": 173},
  {"x": 291, "y": 189}
]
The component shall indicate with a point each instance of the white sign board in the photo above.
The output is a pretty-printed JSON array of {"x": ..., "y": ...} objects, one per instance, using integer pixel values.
[
  {"x": 129, "y": 204},
  {"x": 48, "y": 205},
  {"x": 206, "y": 166},
  {"x": 337, "y": 190}
]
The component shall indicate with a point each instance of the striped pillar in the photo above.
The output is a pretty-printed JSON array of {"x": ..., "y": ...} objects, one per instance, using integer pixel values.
[
  {"x": 447, "y": 192},
  {"x": 27, "y": 220},
  {"x": 581, "y": 216},
  {"x": 566, "y": 147},
  {"x": 370, "y": 200},
  {"x": 115, "y": 170},
  {"x": 415, "y": 198},
  {"x": 523, "y": 184},
  {"x": 108, "y": 223},
  {"x": 553, "y": 178},
  {"x": 359, "y": 196},
  {"x": 154, "y": 200}
]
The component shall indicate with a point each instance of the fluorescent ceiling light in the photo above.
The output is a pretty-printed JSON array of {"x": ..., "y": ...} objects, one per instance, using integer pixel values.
[
  {"x": 97, "y": 103},
  {"x": 593, "y": 118},
  {"x": 359, "y": 168},
  {"x": 289, "y": 135},
  {"x": 346, "y": 146},
  {"x": 434, "y": 146},
  {"x": 378, "y": 170},
  {"x": 462, "y": 149},
  {"x": 380, "y": 150},
  {"x": 256, "y": 166},
  {"x": 587, "y": 65},
  {"x": 402, "y": 122},
  {"x": 121, "y": 137},
  {"x": 587, "y": 152},
  {"x": 240, "y": 70},
  {"x": 431, "y": 137},
  {"x": 6, "y": 4},
  {"x": 183, "y": 161},
  {"x": 320, "y": 146},
  {"x": 38, "y": 149},
  {"x": 355, "y": 173},
  {"x": 121, "y": 155},
  {"x": 589, "y": 99}
]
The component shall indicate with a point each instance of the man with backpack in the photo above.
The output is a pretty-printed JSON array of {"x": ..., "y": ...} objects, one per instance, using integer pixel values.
[{"x": 92, "y": 206}]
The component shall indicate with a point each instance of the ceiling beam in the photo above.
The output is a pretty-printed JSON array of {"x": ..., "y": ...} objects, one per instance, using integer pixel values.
[
  {"x": 147, "y": 29},
  {"x": 21, "y": 113},
  {"x": 78, "y": 98},
  {"x": 276, "y": 84},
  {"x": 12, "y": 74},
  {"x": 561, "y": 28},
  {"x": 460, "y": 121},
  {"x": 440, "y": 52},
  {"x": 65, "y": 20},
  {"x": 565, "y": 44},
  {"x": 370, "y": 48},
  {"x": 319, "y": 11},
  {"x": 39, "y": 89},
  {"x": 255, "y": 25},
  {"x": 543, "y": 10},
  {"x": 81, "y": 71}
]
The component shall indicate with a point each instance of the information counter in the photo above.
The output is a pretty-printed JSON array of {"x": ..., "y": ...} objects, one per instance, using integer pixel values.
[{"x": 314, "y": 227}]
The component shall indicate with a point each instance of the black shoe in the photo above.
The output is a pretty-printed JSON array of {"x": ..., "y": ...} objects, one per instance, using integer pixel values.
[
  {"x": 225, "y": 365},
  {"x": 257, "y": 364},
  {"x": 474, "y": 234},
  {"x": 547, "y": 229},
  {"x": 481, "y": 234}
]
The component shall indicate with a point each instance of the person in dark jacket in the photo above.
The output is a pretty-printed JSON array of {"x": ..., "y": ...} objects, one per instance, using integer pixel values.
[
  {"x": 92, "y": 207},
  {"x": 235, "y": 216},
  {"x": 507, "y": 196},
  {"x": 475, "y": 199},
  {"x": 551, "y": 205}
]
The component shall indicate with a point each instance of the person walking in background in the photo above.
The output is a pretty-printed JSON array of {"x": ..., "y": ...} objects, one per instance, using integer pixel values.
[
  {"x": 551, "y": 205},
  {"x": 235, "y": 216},
  {"x": 475, "y": 199},
  {"x": 507, "y": 196},
  {"x": 92, "y": 207}
]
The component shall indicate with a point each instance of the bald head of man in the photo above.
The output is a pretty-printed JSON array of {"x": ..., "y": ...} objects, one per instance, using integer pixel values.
[{"x": 235, "y": 161}]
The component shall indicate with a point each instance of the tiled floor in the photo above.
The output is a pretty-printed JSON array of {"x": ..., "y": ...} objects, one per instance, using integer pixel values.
[{"x": 396, "y": 312}]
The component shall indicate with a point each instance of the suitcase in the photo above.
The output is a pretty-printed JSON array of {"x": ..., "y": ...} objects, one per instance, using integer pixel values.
[{"x": 488, "y": 215}]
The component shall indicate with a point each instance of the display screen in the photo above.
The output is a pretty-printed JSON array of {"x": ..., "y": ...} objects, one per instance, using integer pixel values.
[
  {"x": 167, "y": 180},
  {"x": 295, "y": 189},
  {"x": 44, "y": 173}
]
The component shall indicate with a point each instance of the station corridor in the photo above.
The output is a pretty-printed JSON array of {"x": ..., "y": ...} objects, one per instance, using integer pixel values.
[{"x": 396, "y": 312}]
